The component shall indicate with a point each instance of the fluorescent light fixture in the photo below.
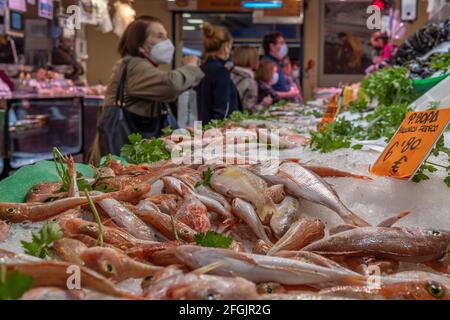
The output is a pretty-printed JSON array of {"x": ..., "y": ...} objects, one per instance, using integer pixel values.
[
  {"x": 186, "y": 15},
  {"x": 276, "y": 4},
  {"x": 188, "y": 28},
  {"x": 195, "y": 21},
  {"x": 191, "y": 52}
]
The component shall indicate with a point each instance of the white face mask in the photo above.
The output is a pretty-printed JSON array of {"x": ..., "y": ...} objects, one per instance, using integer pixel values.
[
  {"x": 284, "y": 50},
  {"x": 296, "y": 74},
  {"x": 162, "y": 53},
  {"x": 275, "y": 78}
]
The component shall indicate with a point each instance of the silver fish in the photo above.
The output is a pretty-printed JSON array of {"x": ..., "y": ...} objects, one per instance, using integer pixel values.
[
  {"x": 305, "y": 184},
  {"x": 259, "y": 269},
  {"x": 289, "y": 209},
  {"x": 246, "y": 212}
]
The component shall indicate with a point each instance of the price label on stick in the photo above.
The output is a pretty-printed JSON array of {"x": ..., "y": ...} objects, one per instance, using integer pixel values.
[
  {"x": 411, "y": 145},
  {"x": 331, "y": 111}
]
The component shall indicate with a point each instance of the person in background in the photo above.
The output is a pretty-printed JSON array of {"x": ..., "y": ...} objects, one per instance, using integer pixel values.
[
  {"x": 296, "y": 74},
  {"x": 288, "y": 71},
  {"x": 143, "y": 48},
  {"x": 275, "y": 49},
  {"x": 266, "y": 76},
  {"x": 352, "y": 49},
  {"x": 217, "y": 96},
  {"x": 64, "y": 55},
  {"x": 246, "y": 62},
  {"x": 383, "y": 52}
]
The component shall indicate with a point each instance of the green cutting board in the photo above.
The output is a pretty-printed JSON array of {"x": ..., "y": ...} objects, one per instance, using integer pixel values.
[{"x": 16, "y": 187}]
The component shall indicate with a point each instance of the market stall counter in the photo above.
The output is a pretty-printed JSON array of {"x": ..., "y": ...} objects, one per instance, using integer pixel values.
[{"x": 31, "y": 125}]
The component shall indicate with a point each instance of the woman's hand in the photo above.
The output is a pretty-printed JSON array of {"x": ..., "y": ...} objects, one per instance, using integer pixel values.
[{"x": 192, "y": 61}]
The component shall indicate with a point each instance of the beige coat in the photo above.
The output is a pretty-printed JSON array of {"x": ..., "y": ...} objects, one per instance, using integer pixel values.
[
  {"x": 247, "y": 87},
  {"x": 148, "y": 87}
]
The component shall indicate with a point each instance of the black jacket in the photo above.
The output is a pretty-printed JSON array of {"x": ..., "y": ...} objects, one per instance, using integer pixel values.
[{"x": 217, "y": 96}]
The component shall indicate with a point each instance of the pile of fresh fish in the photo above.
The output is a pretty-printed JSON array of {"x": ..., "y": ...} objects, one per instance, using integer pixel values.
[{"x": 150, "y": 223}]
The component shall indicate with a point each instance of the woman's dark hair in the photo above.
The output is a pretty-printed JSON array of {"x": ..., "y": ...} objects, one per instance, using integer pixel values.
[
  {"x": 270, "y": 38},
  {"x": 135, "y": 35}
]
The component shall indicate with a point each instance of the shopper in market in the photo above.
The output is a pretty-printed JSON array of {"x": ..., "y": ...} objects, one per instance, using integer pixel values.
[
  {"x": 246, "y": 63},
  {"x": 383, "y": 52},
  {"x": 275, "y": 49},
  {"x": 288, "y": 73},
  {"x": 266, "y": 76},
  {"x": 143, "y": 48},
  {"x": 217, "y": 96}
]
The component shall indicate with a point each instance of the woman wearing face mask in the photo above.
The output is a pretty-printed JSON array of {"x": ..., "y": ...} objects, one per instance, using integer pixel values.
[
  {"x": 217, "y": 96},
  {"x": 266, "y": 76},
  {"x": 146, "y": 91}
]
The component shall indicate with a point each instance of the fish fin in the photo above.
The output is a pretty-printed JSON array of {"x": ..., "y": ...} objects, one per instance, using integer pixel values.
[
  {"x": 267, "y": 211},
  {"x": 325, "y": 172},
  {"x": 207, "y": 268},
  {"x": 341, "y": 228},
  {"x": 389, "y": 222}
]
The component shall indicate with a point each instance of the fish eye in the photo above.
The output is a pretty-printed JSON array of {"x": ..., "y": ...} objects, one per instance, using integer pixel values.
[
  {"x": 10, "y": 210},
  {"x": 108, "y": 267},
  {"x": 435, "y": 290},
  {"x": 35, "y": 189},
  {"x": 435, "y": 233},
  {"x": 212, "y": 296},
  {"x": 136, "y": 190},
  {"x": 146, "y": 281}
]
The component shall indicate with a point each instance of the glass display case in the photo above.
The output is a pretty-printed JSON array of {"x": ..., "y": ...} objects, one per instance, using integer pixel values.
[{"x": 35, "y": 126}]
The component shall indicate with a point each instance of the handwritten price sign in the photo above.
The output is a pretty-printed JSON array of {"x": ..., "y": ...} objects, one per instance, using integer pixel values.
[
  {"x": 412, "y": 144},
  {"x": 331, "y": 111}
]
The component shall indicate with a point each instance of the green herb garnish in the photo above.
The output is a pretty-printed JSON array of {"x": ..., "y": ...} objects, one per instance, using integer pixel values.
[
  {"x": 213, "y": 239},
  {"x": 40, "y": 244},
  {"x": 14, "y": 286},
  {"x": 144, "y": 151},
  {"x": 207, "y": 175}
]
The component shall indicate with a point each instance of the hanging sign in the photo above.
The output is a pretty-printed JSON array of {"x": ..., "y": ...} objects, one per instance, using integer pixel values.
[
  {"x": 412, "y": 144},
  {"x": 45, "y": 9},
  {"x": 18, "y": 5}
]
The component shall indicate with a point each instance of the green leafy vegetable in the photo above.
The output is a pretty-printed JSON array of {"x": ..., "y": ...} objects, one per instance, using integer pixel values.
[
  {"x": 40, "y": 244},
  {"x": 213, "y": 240},
  {"x": 441, "y": 62},
  {"x": 358, "y": 106},
  {"x": 207, "y": 175},
  {"x": 333, "y": 136},
  {"x": 389, "y": 86},
  {"x": 144, "y": 151},
  {"x": 13, "y": 287},
  {"x": 167, "y": 131}
]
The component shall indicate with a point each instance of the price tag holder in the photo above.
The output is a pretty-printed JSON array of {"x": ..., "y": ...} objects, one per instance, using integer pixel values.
[
  {"x": 411, "y": 145},
  {"x": 331, "y": 112}
]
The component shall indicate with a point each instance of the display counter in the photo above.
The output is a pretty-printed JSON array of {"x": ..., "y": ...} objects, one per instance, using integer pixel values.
[{"x": 31, "y": 125}]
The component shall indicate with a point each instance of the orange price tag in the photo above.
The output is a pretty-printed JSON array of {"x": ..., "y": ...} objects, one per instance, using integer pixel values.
[
  {"x": 331, "y": 111},
  {"x": 412, "y": 144}
]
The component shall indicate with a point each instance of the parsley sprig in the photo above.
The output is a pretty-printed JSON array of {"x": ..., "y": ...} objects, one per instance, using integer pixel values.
[
  {"x": 41, "y": 243},
  {"x": 14, "y": 285},
  {"x": 144, "y": 151}
]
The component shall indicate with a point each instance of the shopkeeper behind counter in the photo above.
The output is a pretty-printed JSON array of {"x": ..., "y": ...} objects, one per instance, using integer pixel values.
[{"x": 147, "y": 90}]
